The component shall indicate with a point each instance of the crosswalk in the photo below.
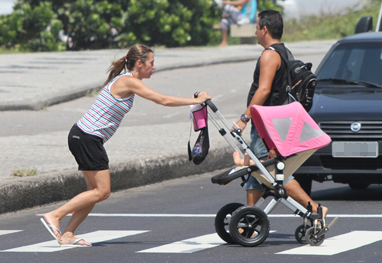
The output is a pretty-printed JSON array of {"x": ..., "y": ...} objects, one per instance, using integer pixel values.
[
  {"x": 95, "y": 237},
  {"x": 338, "y": 244},
  {"x": 331, "y": 246}
]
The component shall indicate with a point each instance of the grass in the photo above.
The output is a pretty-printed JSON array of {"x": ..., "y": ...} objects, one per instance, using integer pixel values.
[
  {"x": 329, "y": 26},
  {"x": 93, "y": 92},
  {"x": 24, "y": 172}
]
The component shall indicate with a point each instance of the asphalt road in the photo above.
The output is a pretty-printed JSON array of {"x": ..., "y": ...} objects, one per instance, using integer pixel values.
[
  {"x": 228, "y": 85},
  {"x": 174, "y": 222}
]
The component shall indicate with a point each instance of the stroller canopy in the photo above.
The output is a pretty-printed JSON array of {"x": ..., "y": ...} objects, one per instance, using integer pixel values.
[{"x": 288, "y": 128}]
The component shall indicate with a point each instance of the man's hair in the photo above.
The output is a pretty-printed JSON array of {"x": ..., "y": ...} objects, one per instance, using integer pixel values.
[{"x": 273, "y": 20}]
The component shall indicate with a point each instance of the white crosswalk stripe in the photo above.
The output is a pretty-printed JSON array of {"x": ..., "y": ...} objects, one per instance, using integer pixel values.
[
  {"x": 338, "y": 244},
  {"x": 6, "y": 232},
  {"x": 93, "y": 237},
  {"x": 188, "y": 245}
]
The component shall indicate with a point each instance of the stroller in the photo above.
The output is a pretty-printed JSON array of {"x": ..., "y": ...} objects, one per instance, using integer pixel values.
[{"x": 292, "y": 132}]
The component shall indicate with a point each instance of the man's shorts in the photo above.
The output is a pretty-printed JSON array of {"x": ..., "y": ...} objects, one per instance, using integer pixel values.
[
  {"x": 258, "y": 148},
  {"x": 88, "y": 150}
]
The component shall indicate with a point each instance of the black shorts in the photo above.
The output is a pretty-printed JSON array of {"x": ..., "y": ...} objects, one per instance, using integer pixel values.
[{"x": 88, "y": 150}]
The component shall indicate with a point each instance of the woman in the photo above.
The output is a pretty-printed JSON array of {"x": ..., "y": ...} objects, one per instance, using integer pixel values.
[{"x": 87, "y": 136}]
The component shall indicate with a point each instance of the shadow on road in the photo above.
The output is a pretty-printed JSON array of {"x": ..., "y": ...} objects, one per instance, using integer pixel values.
[{"x": 372, "y": 193}]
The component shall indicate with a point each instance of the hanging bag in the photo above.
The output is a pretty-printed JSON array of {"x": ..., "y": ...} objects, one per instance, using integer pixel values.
[{"x": 200, "y": 149}]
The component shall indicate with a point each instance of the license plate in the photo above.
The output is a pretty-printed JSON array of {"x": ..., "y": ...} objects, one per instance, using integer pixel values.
[{"x": 355, "y": 149}]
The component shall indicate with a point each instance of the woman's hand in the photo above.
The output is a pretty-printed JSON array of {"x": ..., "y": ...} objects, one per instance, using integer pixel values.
[{"x": 202, "y": 97}]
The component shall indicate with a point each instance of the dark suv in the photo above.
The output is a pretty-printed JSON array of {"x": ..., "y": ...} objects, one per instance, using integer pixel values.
[{"x": 347, "y": 105}]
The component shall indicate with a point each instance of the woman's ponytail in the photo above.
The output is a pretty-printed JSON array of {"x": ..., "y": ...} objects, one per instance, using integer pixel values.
[{"x": 135, "y": 53}]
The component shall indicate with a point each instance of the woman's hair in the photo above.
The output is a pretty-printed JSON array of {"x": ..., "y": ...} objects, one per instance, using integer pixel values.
[
  {"x": 273, "y": 20},
  {"x": 135, "y": 53}
]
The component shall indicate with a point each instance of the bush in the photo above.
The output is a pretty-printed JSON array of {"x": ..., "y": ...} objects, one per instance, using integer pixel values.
[
  {"x": 30, "y": 28},
  {"x": 34, "y": 24}
]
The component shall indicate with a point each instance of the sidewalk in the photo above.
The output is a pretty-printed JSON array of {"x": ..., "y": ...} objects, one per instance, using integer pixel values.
[{"x": 37, "y": 80}]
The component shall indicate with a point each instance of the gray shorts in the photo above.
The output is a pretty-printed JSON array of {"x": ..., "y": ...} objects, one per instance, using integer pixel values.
[{"x": 258, "y": 148}]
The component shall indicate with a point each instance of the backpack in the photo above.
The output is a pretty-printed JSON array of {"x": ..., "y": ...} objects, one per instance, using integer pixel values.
[{"x": 300, "y": 82}]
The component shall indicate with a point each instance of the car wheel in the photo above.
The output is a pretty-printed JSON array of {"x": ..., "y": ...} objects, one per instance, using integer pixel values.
[{"x": 358, "y": 186}]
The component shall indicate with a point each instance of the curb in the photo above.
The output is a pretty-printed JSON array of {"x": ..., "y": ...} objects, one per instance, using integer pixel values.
[{"x": 47, "y": 188}]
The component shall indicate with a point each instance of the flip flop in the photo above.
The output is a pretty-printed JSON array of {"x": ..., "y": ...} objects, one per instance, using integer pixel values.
[
  {"x": 50, "y": 229},
  {"x": 75, "y": 244}
]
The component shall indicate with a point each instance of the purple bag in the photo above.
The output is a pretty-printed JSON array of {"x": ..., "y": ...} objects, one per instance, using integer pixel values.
[{"x": 199, "y": 118}]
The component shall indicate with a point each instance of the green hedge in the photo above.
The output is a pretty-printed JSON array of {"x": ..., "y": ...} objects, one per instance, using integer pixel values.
[
  {"x": 31, "y": 27},
  {"x": 34, "y": 25}
]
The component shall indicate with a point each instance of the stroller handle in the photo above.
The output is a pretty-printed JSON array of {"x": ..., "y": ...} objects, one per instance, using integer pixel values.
[
  {"x": 208, "y": 102},
  {"x": 211, "y": 105}
]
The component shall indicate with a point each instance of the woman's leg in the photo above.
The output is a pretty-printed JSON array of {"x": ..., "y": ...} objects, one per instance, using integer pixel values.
[{"x": 98, "y": 183}]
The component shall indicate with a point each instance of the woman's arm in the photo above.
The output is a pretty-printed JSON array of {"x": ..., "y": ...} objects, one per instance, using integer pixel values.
[{"x": 127, "y": 86}]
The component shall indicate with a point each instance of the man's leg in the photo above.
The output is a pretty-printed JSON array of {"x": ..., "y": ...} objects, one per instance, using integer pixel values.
[
  {"x": 253, "y": 187},
  {"x": 295, "y": 191},
  {"x": 253, "y": 196}
]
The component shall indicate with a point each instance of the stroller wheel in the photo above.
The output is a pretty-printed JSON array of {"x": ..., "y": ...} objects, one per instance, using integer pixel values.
[
  {"x": 222, "y": 220},
  {"x": 312, "y": 238},
  {"x": 249, "y": 226},
  {"x": 300, "y": 234}
]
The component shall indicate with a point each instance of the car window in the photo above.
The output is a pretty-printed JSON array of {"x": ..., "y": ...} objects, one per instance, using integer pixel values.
[{"x": 354, "y": 61}]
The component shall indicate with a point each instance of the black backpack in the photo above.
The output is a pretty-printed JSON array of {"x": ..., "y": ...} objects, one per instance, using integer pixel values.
[{"x": 300, "y": 82}]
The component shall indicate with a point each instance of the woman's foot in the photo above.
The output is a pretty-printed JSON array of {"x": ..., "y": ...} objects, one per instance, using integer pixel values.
[
  {"x": 54, "y": 224},
  {"x": 70, "y": 240}
]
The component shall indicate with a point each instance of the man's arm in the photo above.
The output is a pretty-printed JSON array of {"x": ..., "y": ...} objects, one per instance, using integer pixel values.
[{"x": 270, "y": 62}]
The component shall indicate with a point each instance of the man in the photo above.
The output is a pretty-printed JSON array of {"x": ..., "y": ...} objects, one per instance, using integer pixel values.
[{"x": 267, "y": 81}]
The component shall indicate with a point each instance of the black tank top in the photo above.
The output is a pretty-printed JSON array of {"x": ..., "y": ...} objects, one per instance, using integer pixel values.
[{"x": 277, "y": 81}]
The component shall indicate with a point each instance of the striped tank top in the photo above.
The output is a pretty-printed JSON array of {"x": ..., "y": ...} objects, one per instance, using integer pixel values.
[{"x": 107, "y": 112}]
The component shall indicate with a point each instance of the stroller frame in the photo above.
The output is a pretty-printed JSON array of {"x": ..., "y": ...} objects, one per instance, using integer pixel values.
[{"x": 249, "y": 225}]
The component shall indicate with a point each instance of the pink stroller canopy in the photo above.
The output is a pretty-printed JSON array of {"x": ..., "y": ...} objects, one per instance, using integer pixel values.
[{"x": 288, "y": 128}]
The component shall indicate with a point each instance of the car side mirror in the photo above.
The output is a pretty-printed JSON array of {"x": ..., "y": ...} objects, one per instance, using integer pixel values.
[{"x": 365, "y": 24}]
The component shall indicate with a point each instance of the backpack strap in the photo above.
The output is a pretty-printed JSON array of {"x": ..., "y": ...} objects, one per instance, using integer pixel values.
[{"x": 286, "y": 59}]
